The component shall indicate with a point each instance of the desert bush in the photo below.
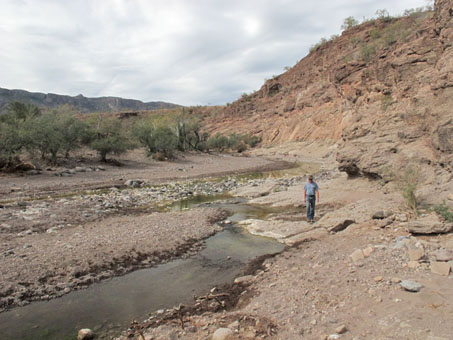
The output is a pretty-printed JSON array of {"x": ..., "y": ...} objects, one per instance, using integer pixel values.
[
  {"x": 367, "y": 51},
  {"x": 18, "y": 111},
  {"x": 190, "y": 135},
  {"x": 386, "y": 101},
  {"x": 349, "y": 22},
  {"x": 165, "y": 141},
  {"x": 408, "y": 180},
  {"x": 444, "y": 211},
  {"x": 108, "y": 137},
  {"x": 11, "y": 144},
  {"x": 383, "y": 15},
  {"x": 218, "y": 142},
  {"x": 44, "y": 135}
]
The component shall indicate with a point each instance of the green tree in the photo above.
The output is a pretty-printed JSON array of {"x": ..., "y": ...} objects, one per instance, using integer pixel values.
[
  {"x": 18, "y": 111},
  {"x": 165, "y": 141},
  {"x": 218, "y": 142},
  {"x": 44, "y": 134},
  {"x": 10, "y": 144},
  {"x": 108, "y": 137}
]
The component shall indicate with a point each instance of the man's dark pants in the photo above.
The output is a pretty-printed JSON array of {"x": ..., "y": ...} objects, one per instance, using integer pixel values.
[{"x": 311, "y": 200}]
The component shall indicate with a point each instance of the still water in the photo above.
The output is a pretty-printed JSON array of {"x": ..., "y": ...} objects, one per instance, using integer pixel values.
[{"x": 109, "y": 306}]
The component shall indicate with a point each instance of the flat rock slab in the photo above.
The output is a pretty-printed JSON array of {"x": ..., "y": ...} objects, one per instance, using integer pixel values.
[
  {"x": 440, "y": 268},
  {"x": 280, "y": 230},
  {"x": 411, "y": 286},
  {"x": 429, "y": 225}
]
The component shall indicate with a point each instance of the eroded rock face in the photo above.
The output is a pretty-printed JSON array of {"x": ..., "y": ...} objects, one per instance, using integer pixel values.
[{"x": 384, "y": 111}]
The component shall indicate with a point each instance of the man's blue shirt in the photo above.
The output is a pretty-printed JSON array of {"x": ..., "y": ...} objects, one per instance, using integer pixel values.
[{"x": 310, "y": 188}]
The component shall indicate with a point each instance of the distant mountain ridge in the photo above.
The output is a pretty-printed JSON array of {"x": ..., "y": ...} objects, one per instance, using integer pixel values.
[{"x": 84, "y": 104}]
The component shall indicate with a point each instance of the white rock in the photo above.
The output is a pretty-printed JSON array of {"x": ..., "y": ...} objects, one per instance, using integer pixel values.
[
  {"x": 222, "y": 334},
  {"x": 85, "y": 334}
]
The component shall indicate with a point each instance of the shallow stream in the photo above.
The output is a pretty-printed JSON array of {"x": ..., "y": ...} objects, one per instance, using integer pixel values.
[{"x": 108, "y": 307}]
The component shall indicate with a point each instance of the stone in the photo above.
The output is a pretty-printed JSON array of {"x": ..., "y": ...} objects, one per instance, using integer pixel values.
[
  {"x": 85, "y": 334},
  {"x": 401, "y": 218},
  {"x": 411, "y": 286},
  {"x": 341, "y": 329},
  {"x": 381, "y": 214},
  {"x": 440, "y": 268},
  {"x": 222, "y": 334},
  {"x": 450, "y": 197},
  {"x": 243, "y": 279},
  {"x": 357, "y": 255},
  {"x": 415, "y": 254},
  {"x": 429, "y": 224},
  {"x": 376, "y": 279},
  {"x": 234, "y": 325},
  {"x": 413, "y": 264},
  {"x": 333, "y": 337},
  {"x": 442, "y": 255},
  {"x": 367, "y": 251},
  {"x": 340, "y": 225}
]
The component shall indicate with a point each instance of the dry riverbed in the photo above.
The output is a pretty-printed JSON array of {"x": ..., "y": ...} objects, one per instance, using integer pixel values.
[
  {"x": 361, "y": 271},
  {"x": 60, "y": 233}
]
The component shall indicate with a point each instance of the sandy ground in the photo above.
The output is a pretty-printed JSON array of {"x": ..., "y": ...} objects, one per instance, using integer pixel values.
[
  {"x": 134, "y": 165},
  {"x": 334, "y": 281}
]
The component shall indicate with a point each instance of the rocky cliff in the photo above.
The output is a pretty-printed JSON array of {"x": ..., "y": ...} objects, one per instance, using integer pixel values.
[
  {"x": 84, "y": 104},
  {"x": 382, "y": 93}
]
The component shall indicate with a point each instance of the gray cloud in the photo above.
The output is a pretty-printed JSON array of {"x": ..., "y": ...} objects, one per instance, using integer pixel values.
[{"x": 186, "y": 52}]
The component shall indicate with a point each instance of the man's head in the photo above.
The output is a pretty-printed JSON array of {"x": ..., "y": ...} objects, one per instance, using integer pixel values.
[{"x": 310, "y": 178}]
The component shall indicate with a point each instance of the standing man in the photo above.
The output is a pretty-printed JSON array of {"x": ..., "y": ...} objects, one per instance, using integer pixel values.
[{"x": 310, "y": 190}]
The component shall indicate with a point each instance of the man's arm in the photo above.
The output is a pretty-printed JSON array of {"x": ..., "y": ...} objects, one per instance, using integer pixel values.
[
  {"x": 317, "y": 194},
  {"x": 305, "y": 195}
]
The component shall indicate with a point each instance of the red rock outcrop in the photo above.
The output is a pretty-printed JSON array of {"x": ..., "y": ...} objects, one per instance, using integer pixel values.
[{"x": 383, "y": 91}]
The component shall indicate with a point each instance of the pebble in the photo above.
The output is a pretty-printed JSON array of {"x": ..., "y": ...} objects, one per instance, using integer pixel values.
[
  {"x": 411, "y": 286},
  {"x": 85, "y": 334},
  {"x": 341, "y": 329},
  {"x": 357, "y": 255}
]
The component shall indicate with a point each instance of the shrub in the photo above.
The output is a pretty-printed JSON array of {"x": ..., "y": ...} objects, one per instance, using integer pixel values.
[
  {"x": 108, "y": 137},
  {"x": 165, "y": 141},
  {"x": 349, "y": 22},
  {"x": 17, "y": 111},
  {"x": 367, "y": 51},
  {"x": 43, "y": 134},
  {"x": 383, "y": 14},
  {"x": 11, "y": 144},
  {"x": 386, "y": 101},
  {"x": 408, "y": 181},
  {"x": 444, "y": 211},
  {"x": 218, "y": 142}
]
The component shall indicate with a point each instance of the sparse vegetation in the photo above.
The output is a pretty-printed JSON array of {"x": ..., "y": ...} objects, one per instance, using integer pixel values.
[
  {"x": 444, "y": 211},
  {"x": 408, "y": 180},
  {"x": 349, "y": 22},
  {"x": 367, "y": 51},
  {"x": 386, "y": 101}
]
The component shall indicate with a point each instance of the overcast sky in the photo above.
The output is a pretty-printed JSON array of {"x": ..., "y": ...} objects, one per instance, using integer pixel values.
[{"x": 187, "y": 52}]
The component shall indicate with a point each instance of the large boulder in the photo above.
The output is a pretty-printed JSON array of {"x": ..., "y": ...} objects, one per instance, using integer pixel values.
[{"x": 429, "y": 225}]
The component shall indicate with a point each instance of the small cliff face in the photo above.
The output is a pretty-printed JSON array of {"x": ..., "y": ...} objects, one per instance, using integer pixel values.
[{"x": 382, "y": 91}]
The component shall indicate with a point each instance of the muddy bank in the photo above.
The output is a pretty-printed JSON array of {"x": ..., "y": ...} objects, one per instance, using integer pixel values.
[{"x": 42, "y": 266}]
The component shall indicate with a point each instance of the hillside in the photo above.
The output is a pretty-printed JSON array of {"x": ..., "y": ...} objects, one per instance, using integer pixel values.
[
  {"x": 381, "y": 94},
  {"x": 84, "y": 104}
]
